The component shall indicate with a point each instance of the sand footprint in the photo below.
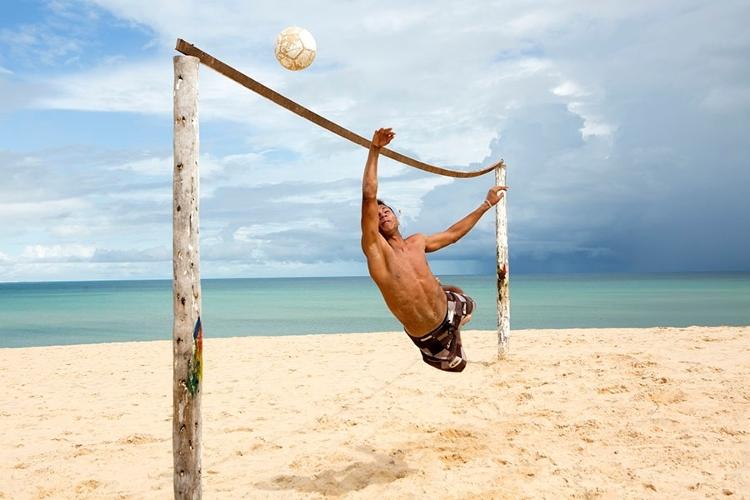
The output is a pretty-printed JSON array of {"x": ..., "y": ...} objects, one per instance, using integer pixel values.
[
  {"x": 139, "y": 439},
  {"x": 87, "y": 486}
]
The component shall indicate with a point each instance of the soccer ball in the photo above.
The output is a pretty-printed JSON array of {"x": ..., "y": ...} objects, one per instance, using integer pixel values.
[{"x": 295, "y": 48}]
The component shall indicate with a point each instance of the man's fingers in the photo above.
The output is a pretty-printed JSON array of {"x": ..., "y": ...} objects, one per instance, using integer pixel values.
[
  {"x": 498, "y": 192},
  {"x": 387, "y": 132}
]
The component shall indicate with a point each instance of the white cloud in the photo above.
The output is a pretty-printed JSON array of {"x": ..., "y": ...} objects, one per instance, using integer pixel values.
[
  {"x": 395, "y": 20},
  {"x": 71, "y": 230},
  {"x": 569, "y": 89},
  {"x": 40, "y": 43},
  {"x": 593, "y": 125},
  {"x": 19, "y": 211},
  {"x": 533, "y": 23},
  {"x": 150, "y": 166},
  {"x": 57, "y": 253},
  {"x": 142, "y": 87},
  {"x": 253, "y": 231},
  {"x": 344, "y": 194}
]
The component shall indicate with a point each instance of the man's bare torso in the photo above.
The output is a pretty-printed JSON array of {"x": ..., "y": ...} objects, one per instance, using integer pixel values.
[
  {"x": 399, "y": 266},
  {"x": 411, "y": 291}
]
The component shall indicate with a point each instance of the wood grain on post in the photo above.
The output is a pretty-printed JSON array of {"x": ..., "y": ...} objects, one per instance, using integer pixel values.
[
  {"x": 187, "y": 334},
  {"x": 503, "y": 268}
]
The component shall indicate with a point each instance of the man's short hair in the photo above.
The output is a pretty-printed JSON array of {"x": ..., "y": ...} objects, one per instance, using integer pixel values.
[{"x": 381, "y": 202}]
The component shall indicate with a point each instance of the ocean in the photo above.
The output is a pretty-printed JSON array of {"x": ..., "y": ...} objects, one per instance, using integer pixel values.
[{"x": 61, "y": 313}]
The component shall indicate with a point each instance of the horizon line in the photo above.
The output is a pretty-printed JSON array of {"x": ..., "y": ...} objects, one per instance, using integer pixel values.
[{"x": 597, "y": 273}]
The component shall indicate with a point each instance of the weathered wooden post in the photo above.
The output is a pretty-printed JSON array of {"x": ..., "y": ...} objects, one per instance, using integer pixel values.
[
  {"x": 187, "y": 333},
  {"x": 503, "y": 270}
]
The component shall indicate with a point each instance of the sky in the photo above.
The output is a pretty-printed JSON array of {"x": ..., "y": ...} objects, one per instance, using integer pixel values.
[{"x": 624, "y": 126}]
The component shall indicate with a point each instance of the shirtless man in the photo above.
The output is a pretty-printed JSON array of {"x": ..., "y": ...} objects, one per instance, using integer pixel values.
[{"x": 430, "y": 313}]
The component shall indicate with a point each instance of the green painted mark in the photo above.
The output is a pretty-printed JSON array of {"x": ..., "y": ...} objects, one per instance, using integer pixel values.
[{"x": 195, "y": 365}]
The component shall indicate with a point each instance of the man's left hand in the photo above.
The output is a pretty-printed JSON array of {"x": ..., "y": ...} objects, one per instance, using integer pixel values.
[{"x": 495, "y": 194}]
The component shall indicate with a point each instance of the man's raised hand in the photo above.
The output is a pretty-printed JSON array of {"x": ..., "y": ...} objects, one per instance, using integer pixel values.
[
  {"x": 382, "y": 137},
  {"x": 495, "y": 194}
]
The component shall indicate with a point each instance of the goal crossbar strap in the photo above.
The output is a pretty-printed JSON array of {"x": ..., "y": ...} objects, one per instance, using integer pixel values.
[{"x": 257, "y": 87}]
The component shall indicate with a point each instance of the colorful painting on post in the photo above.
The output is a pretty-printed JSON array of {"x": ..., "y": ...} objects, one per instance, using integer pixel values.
[{"x": 195, "y": 366}]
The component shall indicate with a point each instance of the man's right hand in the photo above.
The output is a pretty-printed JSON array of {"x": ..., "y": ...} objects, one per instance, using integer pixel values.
[{"x": 382, "y": 137}]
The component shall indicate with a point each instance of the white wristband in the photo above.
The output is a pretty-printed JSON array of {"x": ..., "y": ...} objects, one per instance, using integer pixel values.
[{"x": 489, "y": 205}]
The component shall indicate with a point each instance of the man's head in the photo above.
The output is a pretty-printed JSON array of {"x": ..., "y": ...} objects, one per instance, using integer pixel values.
[{"x": 387, "y": 220}]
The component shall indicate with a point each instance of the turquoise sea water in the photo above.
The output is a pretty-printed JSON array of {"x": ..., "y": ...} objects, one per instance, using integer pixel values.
[{"x": 34, "y": 314}]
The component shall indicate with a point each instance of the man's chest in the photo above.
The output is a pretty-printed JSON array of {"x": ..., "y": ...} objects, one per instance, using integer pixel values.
[{"x": 409, "y": 260}]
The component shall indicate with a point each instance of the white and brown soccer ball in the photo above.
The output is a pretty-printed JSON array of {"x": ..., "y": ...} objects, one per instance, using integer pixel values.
[{"x": 295, "y": 48}]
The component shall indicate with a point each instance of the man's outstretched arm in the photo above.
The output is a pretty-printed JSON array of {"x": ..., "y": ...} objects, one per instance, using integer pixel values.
[
  {"x": 381, "y": 138},
  {"x": 459, "y": 229}
]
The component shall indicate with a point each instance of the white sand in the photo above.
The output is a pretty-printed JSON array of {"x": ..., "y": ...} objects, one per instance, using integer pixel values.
[{"x": 662, "y": 412}]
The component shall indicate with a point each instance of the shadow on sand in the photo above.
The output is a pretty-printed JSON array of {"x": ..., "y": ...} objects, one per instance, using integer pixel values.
[{"x": 384, "y": 468}]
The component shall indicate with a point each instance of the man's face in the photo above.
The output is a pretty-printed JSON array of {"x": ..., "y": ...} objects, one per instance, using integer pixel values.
[{"x": 387, "y": 221}]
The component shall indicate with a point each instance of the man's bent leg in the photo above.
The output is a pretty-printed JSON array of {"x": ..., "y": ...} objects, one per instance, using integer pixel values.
[
  {"x": 465, "y": 305},
  {"x": 442, "y": 349}
]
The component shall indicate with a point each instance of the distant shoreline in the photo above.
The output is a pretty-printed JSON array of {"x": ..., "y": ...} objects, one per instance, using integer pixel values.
[{"x": 525, "y": 275}]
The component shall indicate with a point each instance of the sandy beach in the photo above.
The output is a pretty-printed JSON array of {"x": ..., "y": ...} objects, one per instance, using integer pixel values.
[{"x": 658, "y": 412}]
